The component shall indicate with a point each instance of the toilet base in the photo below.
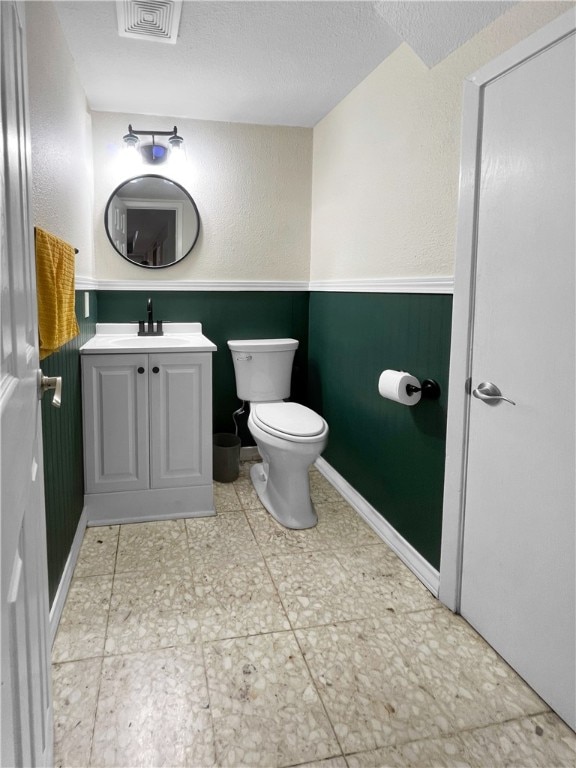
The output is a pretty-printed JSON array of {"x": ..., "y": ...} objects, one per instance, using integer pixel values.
[{"x": 286, "y": 497}]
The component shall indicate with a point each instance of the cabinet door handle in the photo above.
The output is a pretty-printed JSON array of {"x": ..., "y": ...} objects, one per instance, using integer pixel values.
[
  {"x": 155, "y": 369},
  {"x": 140, "y": 369}
]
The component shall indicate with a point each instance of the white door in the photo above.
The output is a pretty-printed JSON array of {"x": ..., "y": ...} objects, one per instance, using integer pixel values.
[
  {"x": 518, "y": 541},
  {"x": 26, "y": 722}
]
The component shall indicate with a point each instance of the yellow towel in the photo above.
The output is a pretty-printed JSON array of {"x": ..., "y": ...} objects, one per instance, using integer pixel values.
[{"x": 55, "y": 289}]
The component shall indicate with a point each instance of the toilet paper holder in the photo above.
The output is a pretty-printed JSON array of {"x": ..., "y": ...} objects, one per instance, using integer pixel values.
[{"x": 429, "y": 389}]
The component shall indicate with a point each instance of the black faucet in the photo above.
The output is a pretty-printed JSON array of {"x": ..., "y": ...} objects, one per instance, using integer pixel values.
[
  {"x": 150, "y": 315},
  {"x": 147, "y": 329}
]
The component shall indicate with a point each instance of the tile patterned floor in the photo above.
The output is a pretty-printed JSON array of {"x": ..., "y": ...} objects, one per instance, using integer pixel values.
[{"x": 231, "y": 641}]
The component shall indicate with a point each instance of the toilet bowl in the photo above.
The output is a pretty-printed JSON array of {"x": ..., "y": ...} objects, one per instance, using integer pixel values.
[{"x": 289, "y": 436}]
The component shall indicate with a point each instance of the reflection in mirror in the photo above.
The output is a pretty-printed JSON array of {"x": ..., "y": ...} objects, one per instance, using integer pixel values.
[{"x": 152, "y": 221}]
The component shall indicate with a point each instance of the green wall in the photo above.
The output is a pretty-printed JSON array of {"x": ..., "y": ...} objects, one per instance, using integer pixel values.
[
  {"x": 224, "y": 315},
  {"x": 63, "y": 450},
  {"x": 393, "y": 455}
]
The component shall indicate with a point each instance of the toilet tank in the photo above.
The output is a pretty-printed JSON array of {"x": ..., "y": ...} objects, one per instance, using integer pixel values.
[{"x": 263, "y": 368}]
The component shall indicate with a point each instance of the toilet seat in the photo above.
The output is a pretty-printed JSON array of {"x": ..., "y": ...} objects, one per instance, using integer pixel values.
[{"x": 290, "y": 421}]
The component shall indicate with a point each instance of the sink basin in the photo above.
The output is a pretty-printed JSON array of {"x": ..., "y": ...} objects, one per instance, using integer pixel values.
[
  {"x": 116, "y": 338},
  {"x": 137, "y": 342}
]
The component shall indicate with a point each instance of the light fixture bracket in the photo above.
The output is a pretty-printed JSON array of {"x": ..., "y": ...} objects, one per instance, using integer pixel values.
[{"x": 152, "y": 152}]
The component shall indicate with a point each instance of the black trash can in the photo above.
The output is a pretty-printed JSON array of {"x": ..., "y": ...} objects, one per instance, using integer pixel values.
[{"x": 225, "y": 457}]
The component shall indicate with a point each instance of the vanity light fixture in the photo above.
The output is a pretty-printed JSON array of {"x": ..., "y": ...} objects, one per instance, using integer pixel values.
[{"x": 153, "y": 153}]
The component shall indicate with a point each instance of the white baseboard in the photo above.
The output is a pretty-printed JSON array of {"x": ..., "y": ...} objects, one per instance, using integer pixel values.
[
  {"x": 152, "y": 504},
  {"x": 66, "y": 578},
  {"x": 420, "y": 567}
]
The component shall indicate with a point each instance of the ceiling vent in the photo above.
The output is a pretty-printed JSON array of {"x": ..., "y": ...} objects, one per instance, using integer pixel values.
[{"x": 152, "y": 20}]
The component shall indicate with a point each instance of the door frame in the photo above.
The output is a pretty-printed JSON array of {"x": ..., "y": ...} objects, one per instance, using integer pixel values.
[{"x": 462, "y": 343}]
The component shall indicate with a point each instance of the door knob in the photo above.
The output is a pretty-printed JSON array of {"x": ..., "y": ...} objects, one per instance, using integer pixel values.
[
  {"x": 50, "y": 382},
  {"x": 490, "y": 393}
]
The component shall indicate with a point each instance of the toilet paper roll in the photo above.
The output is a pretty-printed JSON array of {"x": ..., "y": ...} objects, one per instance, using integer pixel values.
[{"x": 392, "y": 385}]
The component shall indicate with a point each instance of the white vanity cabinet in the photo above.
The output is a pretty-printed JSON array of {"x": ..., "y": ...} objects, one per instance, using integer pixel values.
[{"x": 147, "y": 435}]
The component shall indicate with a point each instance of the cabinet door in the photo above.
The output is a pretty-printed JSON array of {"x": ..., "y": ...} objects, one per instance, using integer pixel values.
[
  {"x": 180, "y": 419},
  {"x": 116, "y": 450}
]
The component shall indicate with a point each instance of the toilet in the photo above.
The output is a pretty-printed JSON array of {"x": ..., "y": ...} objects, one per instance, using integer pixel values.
[{"x": 289, "y": 436}]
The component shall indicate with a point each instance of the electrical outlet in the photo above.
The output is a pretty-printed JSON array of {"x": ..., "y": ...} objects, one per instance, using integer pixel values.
[{"x": 86, "y": 304}]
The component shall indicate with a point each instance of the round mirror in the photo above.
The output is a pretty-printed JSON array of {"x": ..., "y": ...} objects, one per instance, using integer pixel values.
[{"x": 152, "y": 221}]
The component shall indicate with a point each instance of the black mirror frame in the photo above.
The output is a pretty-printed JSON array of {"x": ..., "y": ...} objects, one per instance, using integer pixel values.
[{"x": 163, "y": 178}]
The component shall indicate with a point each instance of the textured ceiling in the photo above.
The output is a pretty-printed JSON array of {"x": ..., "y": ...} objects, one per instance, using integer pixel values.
[
  {"x": 435, "y": 29},
  {"x": 269, "y": 62}
]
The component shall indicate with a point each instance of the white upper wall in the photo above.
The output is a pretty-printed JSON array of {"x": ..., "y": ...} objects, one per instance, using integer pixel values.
[
  {"x": 386, "y": 160},
  {"x": 252, "y": 186},
  {"x": 381, "y": 201},
  {"x": 62, "y": 186}
]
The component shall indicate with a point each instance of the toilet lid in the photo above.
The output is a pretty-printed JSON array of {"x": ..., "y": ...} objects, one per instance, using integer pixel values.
[{"x": 289, "y": 418}]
